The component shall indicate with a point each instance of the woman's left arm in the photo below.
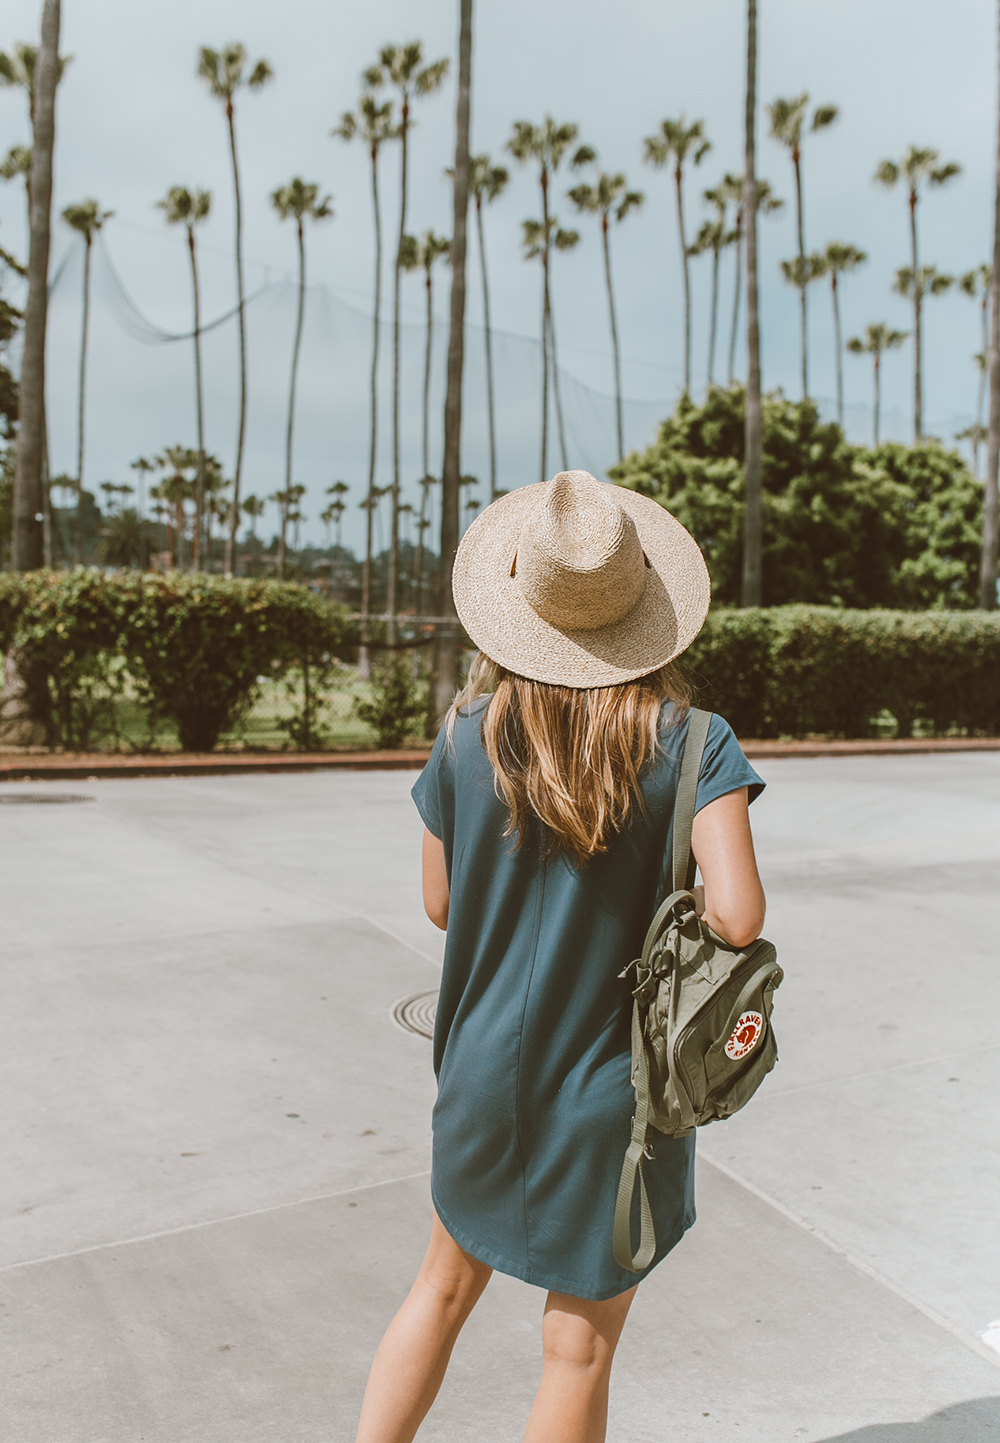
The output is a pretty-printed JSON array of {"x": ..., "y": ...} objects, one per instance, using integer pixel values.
[{"x": 436, "y": 893}]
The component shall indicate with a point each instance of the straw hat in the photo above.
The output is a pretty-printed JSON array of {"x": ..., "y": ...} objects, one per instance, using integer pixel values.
[{"x": 579, "y": 583}]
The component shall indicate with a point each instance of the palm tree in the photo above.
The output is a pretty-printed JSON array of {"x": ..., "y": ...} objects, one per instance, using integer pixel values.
[
  {"x": 878, "y": 338},
  {"x": 715, "y": 237},
  {"x": 422, "y": 255},
  {"x": 403, "y": 67},
  {"x": 486, "y": 183},
  {"x": 839, "y": 259},
  {"x": 142, "y": 467},
  {"x": 915, "y": 285},
  {"x": 547, "y": 144},
  {"x": 677, "y": 140},
  {"x": 17, "y": 166},
  {"x": 253, "y": 508},
  {"x": 373, "y": 125},
  {"x": 978, "y": 283},
  {"x": 917, "y": 167},
  {"x": 86, "y": 218},
  {"x": 767, "y": 204},
  {"x": 788, "y": 119},
  {"x": 608, "y": 197},
  {"x": 754, "y": 423},
  {"x": 188, "y": 207},
  {"x": 299, "y": 200},
  {"x": 800, "y": 272},
  {"x": 225, "y": 73},
  {"x": 37, "y": 72}
]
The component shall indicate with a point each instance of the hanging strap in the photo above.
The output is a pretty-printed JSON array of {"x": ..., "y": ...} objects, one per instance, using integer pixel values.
[{"x": 682, "y": 873}]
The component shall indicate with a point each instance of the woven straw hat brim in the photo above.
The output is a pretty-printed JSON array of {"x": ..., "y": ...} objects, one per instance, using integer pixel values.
[{"x": 499, "y": 619}]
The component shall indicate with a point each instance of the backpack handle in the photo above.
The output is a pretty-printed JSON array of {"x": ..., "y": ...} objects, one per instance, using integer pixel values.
[{"x": 686, "y": 798}]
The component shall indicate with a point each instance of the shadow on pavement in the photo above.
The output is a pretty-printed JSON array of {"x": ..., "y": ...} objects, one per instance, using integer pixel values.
[{"x": 977, "y": 1421}]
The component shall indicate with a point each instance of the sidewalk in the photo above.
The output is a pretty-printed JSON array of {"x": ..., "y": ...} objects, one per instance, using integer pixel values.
[{"x": 217, "y": 1140}]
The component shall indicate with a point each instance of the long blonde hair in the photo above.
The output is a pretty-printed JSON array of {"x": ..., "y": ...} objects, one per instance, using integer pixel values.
[{"x": 567, "y": 757}]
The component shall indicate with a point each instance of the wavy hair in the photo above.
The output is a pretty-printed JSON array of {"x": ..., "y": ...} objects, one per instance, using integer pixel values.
[{"x": 570, "y": 758}]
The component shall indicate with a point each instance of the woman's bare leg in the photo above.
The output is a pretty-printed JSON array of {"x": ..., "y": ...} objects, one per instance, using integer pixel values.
[
  {"x": 579, "y": 1339},
  {"x": 412, "y": 1357}
]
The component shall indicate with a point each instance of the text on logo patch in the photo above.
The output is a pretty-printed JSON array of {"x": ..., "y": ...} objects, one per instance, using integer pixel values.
[{"x": 745, "y": 1035}]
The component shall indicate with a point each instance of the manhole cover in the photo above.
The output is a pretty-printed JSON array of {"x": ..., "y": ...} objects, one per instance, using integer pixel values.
[
  {"x": 416, "y": 1013},
  {"x": 27, "y": 799}
]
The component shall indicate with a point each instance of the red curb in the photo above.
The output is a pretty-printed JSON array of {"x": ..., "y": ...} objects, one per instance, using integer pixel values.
[{"x": 25, "y": 766}]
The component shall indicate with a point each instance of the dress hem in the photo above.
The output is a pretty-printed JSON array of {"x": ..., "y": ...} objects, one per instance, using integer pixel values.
[{"x": 539, "y": 1280}]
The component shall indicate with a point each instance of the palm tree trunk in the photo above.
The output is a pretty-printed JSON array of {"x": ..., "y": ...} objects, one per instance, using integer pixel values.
[
  {"x": 606, "y": 243},
  {"x": 803, "y": 304},
  {"x": 27, "y": 548},
  {"x": 838, "y": 344},
  {"x": 199, "y": 492},
  {"x": 490, "y": 413},
  {"x": 290, "y": 430},
  {"x": 988, "y": 568},
  {"x": 556, "y": 396},
  {"x": 918, "y": 347},
  {"x": 446, "y": 637},
  {"x": 234, "y": 513},
  {"x": 679, "y": 183},
  {"x": 421, "y": 528},
  {"x": 364, "y": 661},
  {"x": 983, "y": 373},
  {"x": 545, "y": 324},
  {"x": 714, "y": 319},
  {"x": 46, "y": 496},
  {"x": 752, "y": 589},
  {"x": 397, "y": 301},
  {"x": 878, "y": 393},
  {"x": 736, "y": 299},
  {"x": 428, "y": 352},
  {"x": 81, "y": 409}
]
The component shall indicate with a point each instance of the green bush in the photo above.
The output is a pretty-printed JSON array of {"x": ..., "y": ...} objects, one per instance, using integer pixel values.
[
  {"x": 193, "y": 648},
  {"x": 398, "y": 700},
  {"x": 801, "y": 670}
]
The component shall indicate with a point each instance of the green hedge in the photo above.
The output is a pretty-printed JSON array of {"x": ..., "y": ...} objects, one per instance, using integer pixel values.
[
  {"x": 192, "y": 649},
  {"x": 806, "y": 670}
]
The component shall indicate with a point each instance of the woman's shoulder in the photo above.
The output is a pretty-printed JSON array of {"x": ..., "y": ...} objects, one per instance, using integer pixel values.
[{"x": 724, "y": 766}]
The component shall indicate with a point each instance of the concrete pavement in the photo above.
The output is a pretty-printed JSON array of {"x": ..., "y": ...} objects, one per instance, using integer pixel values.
[{"x": 216, "y": 1140}]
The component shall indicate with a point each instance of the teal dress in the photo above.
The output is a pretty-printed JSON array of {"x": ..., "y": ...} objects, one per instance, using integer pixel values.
[{"x": 532, "y": 1044}]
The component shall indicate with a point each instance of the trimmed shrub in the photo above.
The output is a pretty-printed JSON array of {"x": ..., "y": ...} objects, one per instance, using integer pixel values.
[
  {"x": 398, "y": 704},
  {"x": 810, "y": 670}
]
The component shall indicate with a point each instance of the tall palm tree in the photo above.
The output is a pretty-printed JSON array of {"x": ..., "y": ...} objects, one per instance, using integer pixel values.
[
  {"x": 767, "y": 204},
  {"x": 86, "y": 218},
  {"x": 918, "y": 167},
  {"x": 373, "y": 125},
  {"x": 977, "y": 284},
  {"x": 788, "y": 120},
  {"x": 837, "y": 260},
  {"x": 401, "y": 66},
  {"x": 225, "y": 72},
  {"x": 714, "y": 236},
  {"x": 800, "y": 272},
  {"x": 16, "y": 165},
  {"x": 338, "y": 506},
  {"x": 877, "y": 339},
  {"x": 915, "y": 285},
  {"x": 676, "y": 140},
  {"x": 754, "y": 425},
  {"x": 546, "y": 144},
  {"x": 609, "y": 197},
  {"x": 422, "y": 255},
  {"x": 188, "y": 208},
  {"x": 444, "y": 672},
  {"x": 299, "y": 201},
  {"x": 486, "y": 182},
  {"x": 253, "y": 509}
]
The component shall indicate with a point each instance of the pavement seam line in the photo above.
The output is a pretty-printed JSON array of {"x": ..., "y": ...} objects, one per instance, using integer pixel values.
[
  {"x": 212, "y": 1222},
  {"x": 969, "y": 1339},
  {"x": 879, "y": 1071}
]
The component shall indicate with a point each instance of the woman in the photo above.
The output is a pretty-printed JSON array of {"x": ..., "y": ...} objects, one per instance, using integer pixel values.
[{"x": 547, "y": 802}]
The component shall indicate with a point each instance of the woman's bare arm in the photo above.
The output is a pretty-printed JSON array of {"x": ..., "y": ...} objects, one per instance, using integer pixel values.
[
  {"x": 723, "y": 846},
  {"x": 436, "y": 893}
]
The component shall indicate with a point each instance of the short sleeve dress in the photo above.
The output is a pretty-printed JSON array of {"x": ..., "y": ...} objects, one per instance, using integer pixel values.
[{"x": 532, "y": 1042}]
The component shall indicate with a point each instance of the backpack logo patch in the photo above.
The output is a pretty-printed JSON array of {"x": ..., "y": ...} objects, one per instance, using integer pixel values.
[{"x": 745, "y": 1035}]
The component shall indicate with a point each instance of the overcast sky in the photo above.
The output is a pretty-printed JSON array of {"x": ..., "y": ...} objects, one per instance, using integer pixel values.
[{"x": 133, "y": 120}]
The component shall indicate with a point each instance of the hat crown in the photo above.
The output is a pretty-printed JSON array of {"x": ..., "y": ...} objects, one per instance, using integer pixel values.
[{"x": 579, "y": 561}]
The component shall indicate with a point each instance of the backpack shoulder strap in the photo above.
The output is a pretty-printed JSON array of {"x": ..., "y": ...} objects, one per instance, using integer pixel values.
[{"x": 687, "y": 794}]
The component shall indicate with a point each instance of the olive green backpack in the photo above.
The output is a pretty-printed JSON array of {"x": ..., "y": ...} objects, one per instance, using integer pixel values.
[{"x": 702, "y": 1040}]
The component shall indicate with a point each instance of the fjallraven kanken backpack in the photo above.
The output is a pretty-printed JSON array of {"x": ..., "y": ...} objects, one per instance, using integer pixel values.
[{"x": 702, "y": 1041}]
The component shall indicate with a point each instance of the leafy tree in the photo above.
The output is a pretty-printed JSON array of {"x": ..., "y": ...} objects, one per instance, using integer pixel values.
[
  {"x": 894, "y": 526},
  {"x": 225, "y": 73},
  {"x": 298, "y": 200},
  {"x": 839, "y": 259},
  {"x": 609, "y": 197},
  {"x": 86, "y": 219},
  {"x": 486, "y": 182},
  {"x": 788, "y": 119},
  {"x": 878, "y": 338},
  {"x": 918, "y": 167},
  {"x": 124, "y": 540},
  {"x": 675, "y": 141},
  {"x": 188, "y": 208}
]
